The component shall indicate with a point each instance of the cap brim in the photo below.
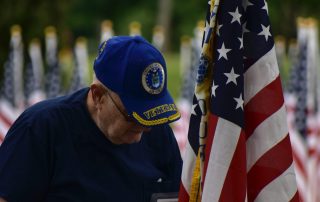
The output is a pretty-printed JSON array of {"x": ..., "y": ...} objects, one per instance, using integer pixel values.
[{"x": 161, "y": 110}]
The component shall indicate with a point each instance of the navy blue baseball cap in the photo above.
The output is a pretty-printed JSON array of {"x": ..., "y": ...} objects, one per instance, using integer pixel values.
[{"x": 135, "y": 70}]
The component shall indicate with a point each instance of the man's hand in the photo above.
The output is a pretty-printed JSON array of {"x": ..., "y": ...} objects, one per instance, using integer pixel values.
[{"x": 2, "y": 200}]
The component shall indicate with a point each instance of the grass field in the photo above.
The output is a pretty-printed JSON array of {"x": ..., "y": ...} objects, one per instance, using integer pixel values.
[{"x": 174, "y": 77}]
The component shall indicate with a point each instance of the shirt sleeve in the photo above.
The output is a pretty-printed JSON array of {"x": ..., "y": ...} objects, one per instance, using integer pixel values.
[
  {"x": 175, "y": 164},
  {"x": 24, "y": 161}
]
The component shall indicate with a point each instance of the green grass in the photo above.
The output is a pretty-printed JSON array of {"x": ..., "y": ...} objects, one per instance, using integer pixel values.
[{"x": 174, "y": 77}]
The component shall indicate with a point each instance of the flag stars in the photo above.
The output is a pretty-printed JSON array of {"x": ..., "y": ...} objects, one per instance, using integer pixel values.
[
  {"x": 265, "y": 7},
  {"x": 241, "y": 42},
  {"x": 213, "y": 89},
  {"x": 265, "y": 32},
  {"x": 223, "y": 52},
  {"x": 193, "y": 110},
  {"x": 246, "y": 4},
  {"x": 232, "y": 77},
  {"x": 244, "y": 28},
  {"x": 235, "y": 16},
  {"x": 218, "y": 29},
  {"x": 239, "y": 102}
]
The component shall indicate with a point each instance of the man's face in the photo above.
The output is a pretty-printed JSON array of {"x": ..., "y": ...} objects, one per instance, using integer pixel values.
[{"x": 114, "y": 122}]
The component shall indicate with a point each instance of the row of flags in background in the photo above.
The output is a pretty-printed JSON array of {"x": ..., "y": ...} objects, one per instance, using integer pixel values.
[
  {"x": 233, "y": 133},
  {"x": 158, "y": 36},
  {"x": 38, "y": 76},
  {"x": 302, "y": 101},
  {"x": 190, "y": 50},
  {"x": 26, "y": 82}
]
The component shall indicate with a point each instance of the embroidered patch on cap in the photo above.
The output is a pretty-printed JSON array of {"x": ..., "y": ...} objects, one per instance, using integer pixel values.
[{"x": 153, "y": 78}]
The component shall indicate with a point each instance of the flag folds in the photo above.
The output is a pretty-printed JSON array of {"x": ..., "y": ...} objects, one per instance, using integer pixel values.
[{"x": 238, "y": 142}]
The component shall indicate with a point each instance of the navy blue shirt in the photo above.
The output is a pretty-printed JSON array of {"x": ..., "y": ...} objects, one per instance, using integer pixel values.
[{"x": 55, "y": 152}]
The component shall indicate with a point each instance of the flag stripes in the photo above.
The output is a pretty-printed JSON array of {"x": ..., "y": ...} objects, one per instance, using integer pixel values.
[
  {"x": 259, "y": 143},
  {"x": 226, "y": 137},
  {"x": 247, "y": 153},
  {"x": 263, "y": 105},
  {"x": 260, "y": 74}
]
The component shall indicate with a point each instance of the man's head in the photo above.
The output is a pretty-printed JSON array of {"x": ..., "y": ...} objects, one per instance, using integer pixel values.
[{"x": 136, "y": 72}]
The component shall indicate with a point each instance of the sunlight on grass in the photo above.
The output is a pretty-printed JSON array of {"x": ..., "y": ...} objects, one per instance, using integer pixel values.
[{"x": 174, "y": 77}]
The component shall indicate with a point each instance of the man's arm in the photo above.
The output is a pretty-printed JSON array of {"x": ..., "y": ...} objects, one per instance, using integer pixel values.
[
  {"x": 2, "y": 200},
  {"x": 24, "y": 158}
]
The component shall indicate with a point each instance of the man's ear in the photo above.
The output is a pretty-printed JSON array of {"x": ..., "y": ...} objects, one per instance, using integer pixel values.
[{"x": 97, "y": 93}]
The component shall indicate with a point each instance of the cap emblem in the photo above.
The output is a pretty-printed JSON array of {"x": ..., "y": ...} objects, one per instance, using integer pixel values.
[{"x": 153, "y": 78}]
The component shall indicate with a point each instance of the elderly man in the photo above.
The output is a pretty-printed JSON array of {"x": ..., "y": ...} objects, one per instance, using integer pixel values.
[{"x": 109, "y": 142}]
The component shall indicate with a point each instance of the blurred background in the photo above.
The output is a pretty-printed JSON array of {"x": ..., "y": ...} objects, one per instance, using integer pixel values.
[
  {"x": 75, "y": 18},
  {"x": 47, "y": 49}
]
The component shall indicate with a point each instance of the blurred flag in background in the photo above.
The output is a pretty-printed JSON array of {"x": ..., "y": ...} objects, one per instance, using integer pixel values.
[
  {"x": 53, "y": 80},
  {"x": 302, "y": 100},
  {"x": 34, "y": 75},
  {"x": 190, "y": 52},
  {"x": 80, "y": 76},
  {"x": 12, "y": 97}
]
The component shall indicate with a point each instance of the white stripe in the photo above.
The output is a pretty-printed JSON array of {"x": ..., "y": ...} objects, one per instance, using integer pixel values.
[
  {"x": 265, "y": 136},
  {"x": 283, "y": 188},
  {"x": 301, "y": 183},
  {"x": 222, "y": 151},
  {"x": 312, "y": 141},
  {"x": 189, "y": 162},
  {"x": 10, "y": 112},
  {"x": 4, "y": 127},
  {"x": 298, "y": 146},
  {"x": 299, "y": 149},
  {"x": 260, "y": 74},
  {"x": 3, "y": 130}
]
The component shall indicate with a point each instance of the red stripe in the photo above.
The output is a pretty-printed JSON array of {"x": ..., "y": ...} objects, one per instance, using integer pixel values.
[
  {"x": 183, "y": 194},
  {"x": 234, "y": 188},
  {"x": 5, "y": 120},
  {"x": 1, "y": 137},
  {"x": 212, "y": 124},
  {"x": 270, "y": 166},
  {"x": 296, "y": 198},
  {"x": 263, "y": 105}
]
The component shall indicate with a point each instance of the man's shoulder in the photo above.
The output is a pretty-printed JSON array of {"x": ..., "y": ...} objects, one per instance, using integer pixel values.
[{"x": 52, "y": 109}]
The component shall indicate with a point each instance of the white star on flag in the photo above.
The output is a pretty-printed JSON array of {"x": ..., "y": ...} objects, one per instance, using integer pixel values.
[
  {"x": 235, "y": 16},
  {"x": 265, "y": 7},
  {"x": 213, "y": 89},
  {"x": 232, "y": 76},
  {"x": 218, "y": 29},
  {"x": 241, "y": 42},
  {"x": 265, "y": 31},
  {"x": 193, "y": 111},
  {"x": 223, "y": 52},
  {"x": 244, "y": 28},
  {"x": 239, "y": 102},
  {"x": 246, "y": 4}
]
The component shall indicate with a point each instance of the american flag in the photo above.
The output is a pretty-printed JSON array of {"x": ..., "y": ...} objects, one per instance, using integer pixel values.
[
  {"x": 303, "y": 118},
  {"x": 53, "y": 68},
  {"x": 34, "y": 75},
  {"x": 11, "y": 100},
  {"x": 238, "y": 143},
  {"x": 81, "y": 70},
  {"x": 189, "y": 72},
  {"x": 297, "y": 113}
]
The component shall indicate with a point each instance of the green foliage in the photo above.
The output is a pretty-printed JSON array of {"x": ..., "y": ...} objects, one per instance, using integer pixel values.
[
  {"x": 174, "y": 77},
  {"x": 74, "y": 18}
]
